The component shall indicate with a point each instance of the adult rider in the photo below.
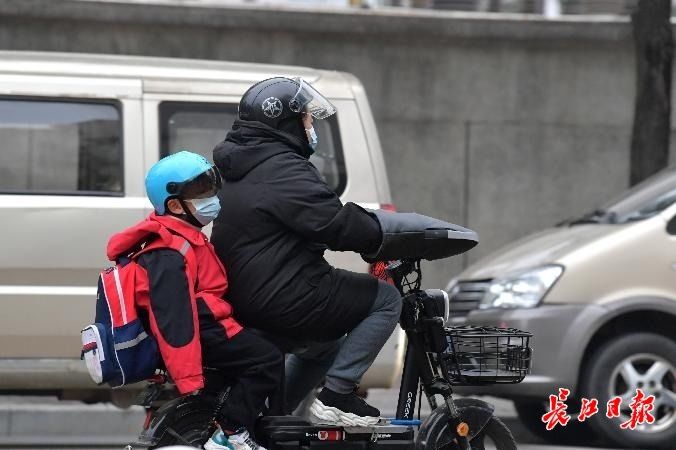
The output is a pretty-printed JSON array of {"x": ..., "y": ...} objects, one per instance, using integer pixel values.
[{"x": 279, "y": 217}]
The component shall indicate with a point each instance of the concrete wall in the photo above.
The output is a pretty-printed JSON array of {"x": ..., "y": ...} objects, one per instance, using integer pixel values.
[{"x": 505, "y": 125}]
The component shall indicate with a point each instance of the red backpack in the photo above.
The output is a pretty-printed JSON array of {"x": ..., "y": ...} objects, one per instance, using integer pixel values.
[{"x": 116, "y": 347}]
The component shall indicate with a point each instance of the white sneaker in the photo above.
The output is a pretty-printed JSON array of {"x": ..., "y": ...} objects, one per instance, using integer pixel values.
[
  {"x": 324, "y": 414},
  {"x": 238, "y": 441}
]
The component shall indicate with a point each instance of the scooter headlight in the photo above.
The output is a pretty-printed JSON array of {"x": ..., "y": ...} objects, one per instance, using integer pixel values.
[{"x": 441, "y": 303}]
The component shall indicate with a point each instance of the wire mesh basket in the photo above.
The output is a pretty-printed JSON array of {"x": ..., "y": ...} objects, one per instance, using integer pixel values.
[{"x": 487, "y": 355}]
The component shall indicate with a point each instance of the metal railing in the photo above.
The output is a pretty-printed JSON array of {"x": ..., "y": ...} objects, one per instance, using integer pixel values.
[{"x": 546, "y": 8}]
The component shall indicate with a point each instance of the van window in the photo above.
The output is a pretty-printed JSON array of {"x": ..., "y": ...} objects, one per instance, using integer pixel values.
[
  {"x": 198, "y": 127},
  {"x": 54, "y": 146}
]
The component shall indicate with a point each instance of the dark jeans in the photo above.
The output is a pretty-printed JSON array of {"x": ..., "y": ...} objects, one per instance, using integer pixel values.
[
  {"x": 254, "y": 366},
  {"x": 341, "y": 362}
]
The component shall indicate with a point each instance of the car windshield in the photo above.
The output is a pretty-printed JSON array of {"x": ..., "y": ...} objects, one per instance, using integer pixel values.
[{"x": 644, "y": 200}]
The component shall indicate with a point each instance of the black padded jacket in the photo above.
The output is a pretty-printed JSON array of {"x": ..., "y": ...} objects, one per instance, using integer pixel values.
[{"x": 277, "y": 218}]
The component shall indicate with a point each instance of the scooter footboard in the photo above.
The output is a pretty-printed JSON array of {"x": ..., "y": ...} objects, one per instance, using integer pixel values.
[{"x": 286, "y": 433}]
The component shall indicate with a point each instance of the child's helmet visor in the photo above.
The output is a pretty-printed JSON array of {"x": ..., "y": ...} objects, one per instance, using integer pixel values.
[
  {"x": 308, "y": 99},
  {"x": 204, "y": 185}
]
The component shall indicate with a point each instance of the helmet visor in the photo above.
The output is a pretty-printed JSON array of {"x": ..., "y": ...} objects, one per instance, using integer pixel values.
[
  {"x": 309, "y": 100},
  {"x": 204, "y": 185}
]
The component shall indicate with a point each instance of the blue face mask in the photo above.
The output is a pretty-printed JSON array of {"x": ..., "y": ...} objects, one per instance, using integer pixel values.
[
  {"x": 312, "y": 138},
  {"x": 206, "y": 209}
]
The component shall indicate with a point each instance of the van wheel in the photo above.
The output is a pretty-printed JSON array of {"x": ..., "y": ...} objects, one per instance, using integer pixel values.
[
  {"x": 634, "y": 361},
  {"x": 530, "y": 413}
]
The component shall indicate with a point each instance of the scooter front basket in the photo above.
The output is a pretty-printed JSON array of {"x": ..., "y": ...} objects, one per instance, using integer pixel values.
[{"x": 487, "y": 355}]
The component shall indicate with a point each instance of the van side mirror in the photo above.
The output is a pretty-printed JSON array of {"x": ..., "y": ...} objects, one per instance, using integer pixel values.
[{"x": 671, "y": 226}]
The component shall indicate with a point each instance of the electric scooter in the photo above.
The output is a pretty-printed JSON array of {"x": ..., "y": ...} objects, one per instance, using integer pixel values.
[{"x": 437, "y": 358}]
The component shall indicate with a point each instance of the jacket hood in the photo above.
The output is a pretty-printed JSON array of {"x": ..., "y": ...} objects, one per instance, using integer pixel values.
[
  {"x": 153, "y": 227},
  {"x": 122, "y": 243},
  {"x": 248, "y": 144}
]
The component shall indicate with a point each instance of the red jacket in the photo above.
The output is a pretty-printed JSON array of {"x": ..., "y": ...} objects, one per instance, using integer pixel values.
[{"x": 170, "y": 293}]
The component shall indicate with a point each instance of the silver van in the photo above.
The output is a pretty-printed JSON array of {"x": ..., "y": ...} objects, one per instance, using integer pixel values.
[
  {"x": 77, "y": 135},
  {"x": 599, "y": 294}
]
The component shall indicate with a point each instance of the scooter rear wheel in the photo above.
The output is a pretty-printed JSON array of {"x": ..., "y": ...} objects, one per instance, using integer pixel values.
[{"x": 193, "y": 427}]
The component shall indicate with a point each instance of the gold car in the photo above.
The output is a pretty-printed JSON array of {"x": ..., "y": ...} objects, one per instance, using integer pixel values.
[{"x": 599, "y": 294}]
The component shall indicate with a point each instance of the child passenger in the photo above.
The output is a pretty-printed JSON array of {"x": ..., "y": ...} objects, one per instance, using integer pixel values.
[{"x": 186, "y": 311}]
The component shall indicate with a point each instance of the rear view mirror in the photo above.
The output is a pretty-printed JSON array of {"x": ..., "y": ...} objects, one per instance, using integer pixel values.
[{"x": 671, "y": 226}]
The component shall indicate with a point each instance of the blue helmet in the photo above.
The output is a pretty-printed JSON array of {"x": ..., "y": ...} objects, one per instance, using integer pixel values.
[{"x": 181, "y": 175}]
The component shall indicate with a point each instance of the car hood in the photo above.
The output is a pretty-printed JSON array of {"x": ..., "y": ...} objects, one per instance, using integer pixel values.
[{"x": 546, "y": 247}]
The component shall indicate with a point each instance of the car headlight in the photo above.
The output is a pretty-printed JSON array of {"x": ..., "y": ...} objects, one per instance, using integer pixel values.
[{"x": 521, "y": 290}]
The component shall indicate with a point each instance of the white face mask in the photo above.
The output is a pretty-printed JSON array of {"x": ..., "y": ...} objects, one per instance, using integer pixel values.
[
  {"x": 312, "y": 138},
  {"x": 206, "y": 209}
]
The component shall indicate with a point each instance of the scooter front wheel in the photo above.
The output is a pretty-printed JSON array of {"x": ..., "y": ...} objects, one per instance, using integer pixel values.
[
  {"x": 496, "y": 432},
  {"x": 436, "y": 433}
]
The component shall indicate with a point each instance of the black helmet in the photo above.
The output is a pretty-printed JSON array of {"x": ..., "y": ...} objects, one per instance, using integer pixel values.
[{"x": 278, "y": 102}]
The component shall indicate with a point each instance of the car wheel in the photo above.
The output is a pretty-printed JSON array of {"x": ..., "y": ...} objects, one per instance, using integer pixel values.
[
  {"x": 531, "y": 412},
  {"x": 634, "y": 361}
]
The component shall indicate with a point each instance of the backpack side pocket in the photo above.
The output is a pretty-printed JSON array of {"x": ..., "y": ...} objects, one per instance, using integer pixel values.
[{"x": 98, "y": 354}]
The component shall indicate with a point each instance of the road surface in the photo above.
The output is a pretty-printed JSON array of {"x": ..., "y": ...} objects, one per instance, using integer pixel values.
[{"x": 37, "y": 423}]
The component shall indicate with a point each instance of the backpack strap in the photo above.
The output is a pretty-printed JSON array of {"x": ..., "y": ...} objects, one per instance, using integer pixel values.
[{"x": 178, "y": 243}]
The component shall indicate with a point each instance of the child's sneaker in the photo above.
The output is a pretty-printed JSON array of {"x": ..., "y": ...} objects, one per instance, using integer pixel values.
[{"x": 237, "y": 441}]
